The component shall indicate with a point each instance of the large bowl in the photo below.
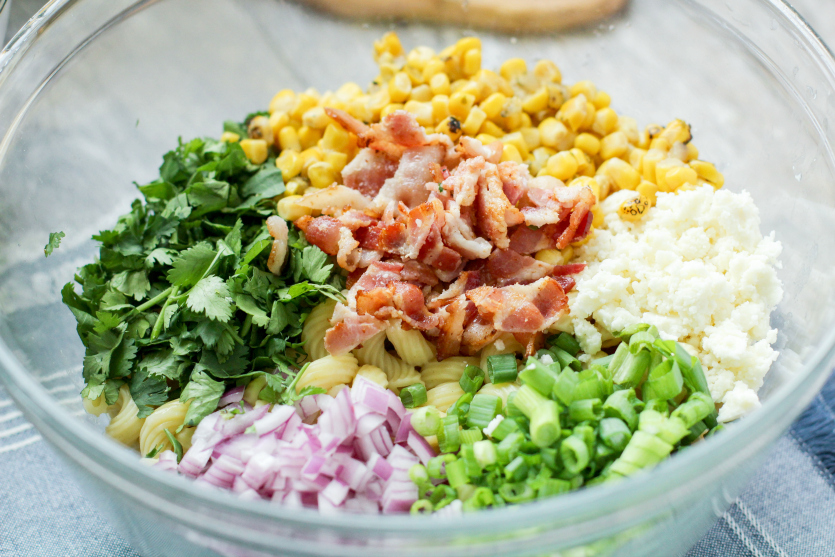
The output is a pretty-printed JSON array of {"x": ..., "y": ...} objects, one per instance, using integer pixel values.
[{"x": 92, "y": 92}]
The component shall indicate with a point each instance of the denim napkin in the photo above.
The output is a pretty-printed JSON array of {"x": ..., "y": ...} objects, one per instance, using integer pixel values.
[{"x": 787, "y": 510}]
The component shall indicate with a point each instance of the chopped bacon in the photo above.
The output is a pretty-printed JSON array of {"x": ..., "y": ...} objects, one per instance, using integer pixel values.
[
  {"x": 397, "y": 300},
  {"x": 530, "y": 240},
  {"x": 579, "y": 225},
  {"x": 531, "y": 341},
  {"x": 469, "y": 147},
  {"x": 521, "y": 308},
  {"x": 466, "y": 281},
  {"x": 348, "y": 255},
  {"x": 461, "y": 183},
  {"x": 407, "y": 184},
  {"x": 356, "y": 219},
  {"x": 458, "y": 234},
  {"x": 509, "y": 267},
  {"x": 494, "y": 212},
  {"x": 350, "y": 332},
  {"x": 367, "y": 172},
  {"x": 322, "y": 232},
  {"x": 515, "y": 178},
  {"x": 453, "y": 318},
  {"x": 421, "y": 273},
  {"x": 479, "y": 333},
  {"x": 554, "y": 206}
]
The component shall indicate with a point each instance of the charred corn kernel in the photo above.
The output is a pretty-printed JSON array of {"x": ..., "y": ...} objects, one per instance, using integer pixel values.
[
  {"x": 556, "y": 95},
  {"x": 474, "y": 121},
  {"x": 708, "y": 172},
  {"x": 421, "y": 93},
  {"x": 277, "y": 121},
  {"x": 283, "y": 101},
  {"x": 648, "y": 190},
  {"x": 553, "y": 133},
  {"x": 388, "y": 109},
  {"x": 601, "y": 100},
  {"x": 337, "y": 160},
  {"x": 288, "y": 138},
  {"x": 677, "y": 130},
  {"x": 511, "y": 153},
  {"x": 629, "y": 126},
  {"x": 450, "y": 126},
  {"x": 573, "y": 112},
  {"x": 613, "y": 145},
  {"x": 517, "y": 140},
  {"x": 316, "y": 118},
  {"x": 585, "y": 88},
  {"x": 624, "y": 176},
  {"x": 536, "y": 101},
  {"x": 540, "y": 159},
  {"x": 259, "y": 128},
  {"x": 636, "y": 158},
  {"x": 336, "y": 139},
  {"x": 587, "y": 143},
  {"x": 290, "y": 164},
  {"x": 490, "y": 128},
  {"x": 585, "y": 164},
  {"x": 230, "y": 137},
  {"x": 310, "y": 156},
  {"x": 439, "y": 84},
  {"x": 255, "y": 150},
  {"x": 440, "y": 107},
  {"x": 471, "y": 62},
  {"x": 634, "y": 209},
  {"x": 289, "y": 209},
  {"x": 296, "y": 186},
  {"x": 562, "y": 166},
  {"x": 605, "y": 121},
  {"x": 660, "y": 144},
  {"x": 513, "y": 68},
  {"x": 422, "y": 112},
  {"x": 486, "y": 138},
  {"x": 492, "y": 105},
  {"x": 309, "y": 137},
  {"x": 649, "y": 162},
  {"x": 399, "y": 87},
  {"x": 553, "y": 256},
  {"x": 546, "y": 70},
  {"x": 460, "y": 104},
  {"x": 531, "y": 137},
  {"x": 321, "y": 174},
  {"x": 389, "y": 43},
  {"x": 304, "y": 102},
  {"x": 597, "y": 216},
  {"x": 692, "y": 152}
]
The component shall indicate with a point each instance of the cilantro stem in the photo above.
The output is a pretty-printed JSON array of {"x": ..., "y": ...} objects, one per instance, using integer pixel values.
[
  {"x": 158, "y": 324},
  {"x": 154, "y": 301}
]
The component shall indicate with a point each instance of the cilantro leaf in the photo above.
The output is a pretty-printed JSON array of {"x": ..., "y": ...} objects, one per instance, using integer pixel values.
[
  {"x": 148, "y": 392},
  {"x": 190, "y": 267},
  {"x": 314, "y": 262},
  {"x": 204, "y": 394},
  {"x": 211, "y": 296},
  {"x": 55, "y": 241},
  {"x": 132, "y": 283}
]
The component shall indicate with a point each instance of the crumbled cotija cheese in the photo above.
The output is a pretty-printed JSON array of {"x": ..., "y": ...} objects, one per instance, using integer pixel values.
[{"x": 698, "y": 268}]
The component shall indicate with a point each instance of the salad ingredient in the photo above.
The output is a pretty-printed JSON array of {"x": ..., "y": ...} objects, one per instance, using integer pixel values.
[
  {"x": 698, "y": 268},
  {"x": 53, "y": 243}
]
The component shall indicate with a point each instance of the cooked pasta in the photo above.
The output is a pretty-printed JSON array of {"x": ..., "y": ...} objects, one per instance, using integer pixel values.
[
  {"x": 399, "y": 373},
  {"x": 95, "y": 407},
  {"x": 411, "y": 346},
  {"x": 328, "y": 372},
  {"x": 333, "y": 391},
  {"x": 501, "y": 390},
  {"x": 505, "y": 344},
  {"x": 444, "y": 395},
  {"x": 450, "y": 369},
  {"x": 375, "y": 374},
  {"x": 124, "y": 426},
  {"x": 313, "y": 332},
  {"x": 170, "y": 416},
  {"x": 254, "y": 389}
]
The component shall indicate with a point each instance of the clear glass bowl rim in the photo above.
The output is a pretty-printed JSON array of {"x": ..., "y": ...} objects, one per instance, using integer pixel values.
[{"x": 642, "y": 493}]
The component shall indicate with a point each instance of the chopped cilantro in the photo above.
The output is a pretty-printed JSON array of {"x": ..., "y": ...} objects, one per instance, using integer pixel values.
[{"x": 53, "y": 243}]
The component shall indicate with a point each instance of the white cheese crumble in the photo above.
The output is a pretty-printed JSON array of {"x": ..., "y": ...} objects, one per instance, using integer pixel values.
[{"x": 698, "y": 268}]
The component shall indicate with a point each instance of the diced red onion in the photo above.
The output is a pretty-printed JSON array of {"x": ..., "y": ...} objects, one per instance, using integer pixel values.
[
  {"x": 336, "y": 491},
  {"x": 274, "y": 419},
  {"x": 231, "y": 396},
  {"x": 380, "y": 466},
  {"x": 167, "y": 461},
  {"x": 420, "y": 447},
  {"x": 403, "y": 431}
]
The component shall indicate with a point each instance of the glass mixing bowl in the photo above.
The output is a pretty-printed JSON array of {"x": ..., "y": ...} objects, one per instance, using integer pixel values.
[{"x": 92, "y": 92}]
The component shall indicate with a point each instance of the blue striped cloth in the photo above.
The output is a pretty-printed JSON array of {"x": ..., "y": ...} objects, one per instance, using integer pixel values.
[{"x": 788, "y": 509}]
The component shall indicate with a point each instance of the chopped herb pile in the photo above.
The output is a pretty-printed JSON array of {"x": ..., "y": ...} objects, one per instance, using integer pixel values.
[{"x": 179, "y": 303}]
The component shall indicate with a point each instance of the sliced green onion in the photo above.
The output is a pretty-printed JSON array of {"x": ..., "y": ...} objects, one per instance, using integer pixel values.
[
  {"x": 664, "y": 381},
  {"x": 550, "y": 458},
  {"x": 422, "y": 506},
  {"x": 471, "y": 465},
  {"x": 539, "y": 376},
  {"x": 461, "y": 406},
  {"x": 502, "y": 368},
  {"x": 697, "y": 408},
  {"x": 618, "y": 358},
  {"x": 545, "y": 424},
  {"x": 505, "y": 428},
  {"x": 481, "y": 498},
  {"x": 603, "y": 454},
  {"x": 435, "y": 466},
  {"x": 643, "y": 451},
  {"x": 565, "y": 385},
  {"x": 567, "y": 360},
  {"x": 485, "y": 453},
  {"x": 586, "y": 433},
  {"x": 178, "y": 448},
  {"x": 470, "y": 436},
  {"x": 442, "y": 496},
  {"x": 659, "y": 405},
  {"x": 641, "y": 341},
  {"x": 418, "y": 474},
  {"x": 511, "y": 411},
  {"x": 604, "y": 361},
  {"x": 631, "y": 371},
  {"x": 627, "y": 333},
  {"x": 528, "y": 400},
  {"x": 588, "y": 410},
  {"x": 516, "y": 470},
  {"x": 551, "y": 487},
  {"x": 413, "y": 395},
  {"x": 591, "y": 384},
  {"x": 465, "y": 491},
  {"x": 509, "y": 447},
  {"x": 695, "y": 432},
  {"x": 566, "y": 342},
  {"x": 614, "y": 433},
  {"x": 426, "y": 420},
  {"x": 517, "y": 492},
  {"x": 449, "y": 438},
  {"x": 574, "y": 453},
  {"x": 472, "y": 379},
  {"x": 483, "y": 409}
]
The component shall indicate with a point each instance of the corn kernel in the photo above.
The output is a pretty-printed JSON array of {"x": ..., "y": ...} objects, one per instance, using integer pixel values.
[
  {"x": 649, "y": 162},
  {"x": 421, "y": 93},
  {"x": 546, "y": 70},
  {"x": 296, "y": 186},
  {"x": 606, "y": 185},
  {"x": 613, "y": 145},
  {"x": 348, "y": 91},
  {"x": 337, "y": 160},
  {"x": 574, "y": 112},
  {"x": 584, "y": 162},
  {"x": 685, "y": 187},
  {"x": 422, "y": 112},
  {"x": 585, "y": 88},
  {"x": 389, "y": 43},
  {"x": 259, "y": 128},
  {"x": 680, "y": 176},
  {"x": 288, "y": 138},
  {"x": 602, "y": 100},
  {"x": 399, "y": 87},
  {"x": 634, "y": 209},
  {"x": 525, "y": 120},
  {"x": 290, "y": 164},
  {"x": 536, "y": 102},
  {"x": 450, "y": 126},
  {"x": 605, "y": 121},
  {"x": 486, "y": 138},
  {"x": 511, "y": 153},
  {"x": 310, "y": 156},
  {"x": 471, "y": 62},
  {"x": 513, "y": 68},
  {"x": 288, "y": 208},
  {"x": 309, "y": 137},
  {"x": 587, "y": 143},
  {"x": 440, "y": 107},
  {"x": 667, "y": 175},
  {"x": 551, "y": 256},
  {"x": 321, "y": 174},
  {"x": 518, "y": 141},
  {"x": 586, "y": 181},
  {"x": 460, "y": 104},
  {"x": 336, "y": 139},
  {"x": 648, "y": 190},
  {"x": 556, "y": 95},
  {"x": 531, "y": 137},
  {"x": 492, "y": 105},
  {"x": 562, "y": 166},
  {"x": 490, "y": 128},
  {"x": 629, "y": 126},
  {"x": 316, "y": 118},
  {"x": 679, "y": 151},
  {"x": 419, "y": 56},
  {"x": 513, "y": 122},
  {"x": 692, "y": 152},
  {"x": 304, "y": 102},
  {"x": 474, "y": 121},
  {"x": 255, "y": 150},
  {"x": 432, "y": 68},
  {"x": 230, "y": 137},
  {"x": 277, "y": 121},
  {"x": 439, "y": 84},
  {"x": 661, "y": 144},
  {"x": 553, "y": 133},
  {"x": 677, "y": 130},
  {"x": 636, "y": 159},
  {"x": 388, "y": 109},
  {"x": 540, "y": 159},
  {"x": 466, "y": 43},
  {"x": 283, "y": 101},
  {"x": 708, "y": 172},
  {"x": 597, "y": 216},
  {"x": 624, "y": 176}
]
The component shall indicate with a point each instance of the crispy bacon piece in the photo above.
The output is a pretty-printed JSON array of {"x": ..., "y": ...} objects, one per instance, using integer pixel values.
[
  {"x": 531, "y": 341},
  {"x": 367, "y": 172},
  {"x": 413, "y": 173},
  {"x": 398, "y": 131},
  {"x": 350, "y": 332},
  {"x": 453, "y": 317},
  {"x": 495, "y": 214},
  {"x": 530, "y": 240},
  {"x": 515, "y": 178},
  {"x": 509, "y": 267},
  {"x": 552, "y": 206},
  {"x": 322, "y": 232},
  {"x": 397, "y": 300},
  {"x": 420, "y": 273},
  {"x": 462, "y": 182},
  {"x": 469, "y": 147},
  {"x": 477, "y": 334},
  {"x": 521, "y": 308}
]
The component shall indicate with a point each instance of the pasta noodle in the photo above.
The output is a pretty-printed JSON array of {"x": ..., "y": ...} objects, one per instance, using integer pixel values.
[
  {"x": 399, "y": 373},
  {"x": 254, "y": 389},
  {"x": 124, "y": 426},
  {"x": 329, "y": 372},
  {"x": 502, "y": 390},
  {"x": 375, "y": 374},
  {"x": 411, "y": 346},
  {"x": 333, "y": 391},
  {"x": 444, "y": 395},
  {"x": 505, "y": 344},
  {"x": 95, "y": 407},
  {"x": 450, "y": 369},
  {"x": 170, "y": 416},
  {"x": 313, "y": 332}
]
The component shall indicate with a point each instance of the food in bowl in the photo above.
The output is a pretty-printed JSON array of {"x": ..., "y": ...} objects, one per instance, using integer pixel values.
[{"x": 459, "y": 289}]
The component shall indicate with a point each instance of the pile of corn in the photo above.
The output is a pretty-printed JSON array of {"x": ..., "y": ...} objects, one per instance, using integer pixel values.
[{"x": 568, "y": 132}]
